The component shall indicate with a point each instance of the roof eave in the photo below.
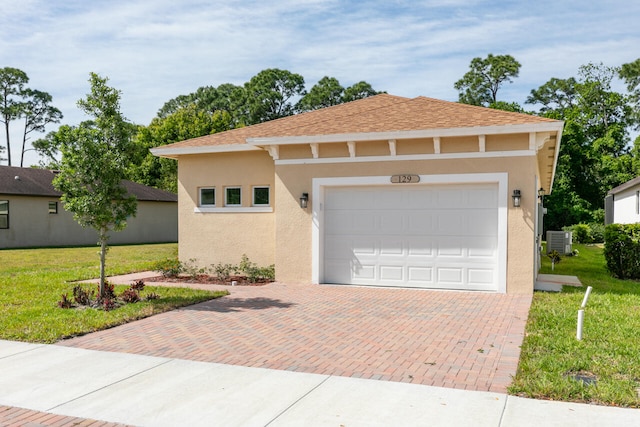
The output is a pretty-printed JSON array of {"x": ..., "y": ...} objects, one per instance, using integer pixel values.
[
  {"x": 174, "y": 152},
  {"x": 409, "y": 134}
]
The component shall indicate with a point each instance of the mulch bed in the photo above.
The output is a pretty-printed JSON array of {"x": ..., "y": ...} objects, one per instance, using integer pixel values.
[{"x": 209, "y": 280}]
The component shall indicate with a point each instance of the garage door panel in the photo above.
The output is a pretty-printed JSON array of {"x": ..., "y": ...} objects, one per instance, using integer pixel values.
[
  {"x": 451, "y": 246},
  {"x": 392, "y": 246},
  {"x": 451, "y": 222},
  {"x": 482, "y": 247},
  {"x": 421, "y": 222},
  {"x": 436, "y": 236},
  {"x": 484, "y": 222},
  {"x": 419, "y": 246},
  {"x": 392, "y": 272},
  {"x": 391, "y": 222},
  {"x": 480, "y": 276},
  {"x": 450, "y": 275},
  {"x": 420, "y": 274}
]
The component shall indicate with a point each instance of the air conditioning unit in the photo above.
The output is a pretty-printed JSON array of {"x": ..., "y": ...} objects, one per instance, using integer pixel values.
[{"x": 559, "y": 241}]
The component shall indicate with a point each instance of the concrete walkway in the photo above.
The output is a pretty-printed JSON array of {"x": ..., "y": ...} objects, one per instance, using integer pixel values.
[{"x": 66, "y": 386}]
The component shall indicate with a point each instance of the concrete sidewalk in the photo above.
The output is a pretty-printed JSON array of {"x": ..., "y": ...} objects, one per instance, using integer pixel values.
[{"x": 154, "y": 391}]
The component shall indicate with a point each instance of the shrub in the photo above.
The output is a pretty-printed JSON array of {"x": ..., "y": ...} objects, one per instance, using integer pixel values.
[
  {"x": 65, "y": 302},
  {"x": 170, "y": 267},
  {"x": 108, "y": 304},
  {"x": 83, "y": 296},
  {"x": 138, "y": 285},
  {"x": 223, "y": 271},
  {"x": 191, "y": 268},
  {"x": 592, "y": 232},
  {"x": 255, "y": 273},
  {"x": 130, "y": 296},
  {"x": 151, "y": 296},
  {"x": 597, "y": 232},
  {"x": 622, "y": 250},
  {"x": 581, "y": 233}
]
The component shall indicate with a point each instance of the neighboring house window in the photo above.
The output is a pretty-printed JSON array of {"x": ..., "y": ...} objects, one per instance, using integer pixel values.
[
  {"x": 261, "y": 196},
  {"x": 233, "y": 196},
  {"x": 4, "y": 214},
  {"x": 53, "y": 207},
  {"x": 208, "y": 196}
]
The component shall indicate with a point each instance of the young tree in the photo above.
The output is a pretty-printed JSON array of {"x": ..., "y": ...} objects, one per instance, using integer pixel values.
[
  {"x": 94, "y": 161},
  {"x": 480, "y": 85},
  {"x": 37, "y": 112},
  {"x": 12, "y": 81}
]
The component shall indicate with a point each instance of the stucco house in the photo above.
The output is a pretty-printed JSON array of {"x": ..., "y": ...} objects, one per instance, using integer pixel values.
[
  {"x": 386, "y": 191},
  {"x": 622, "y": 204},
  {"x": 31, "y": 214}
]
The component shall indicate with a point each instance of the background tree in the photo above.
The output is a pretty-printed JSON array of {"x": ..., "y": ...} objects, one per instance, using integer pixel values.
[
  {"x": 328, "y": 91},
  {"x": 595, "y": 155},
  {"x": 12, "y": 81},
  {"x": 185, "y": 123},
  {"x": 270, "y": 93},
  {"x": 94, "y": 161},
  {"x": 37, "y": 112},
  {"x": 480, "y": 85}
]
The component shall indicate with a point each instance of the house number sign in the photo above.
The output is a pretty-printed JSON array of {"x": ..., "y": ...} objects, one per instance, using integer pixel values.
[{"x": 405, "y": 179}]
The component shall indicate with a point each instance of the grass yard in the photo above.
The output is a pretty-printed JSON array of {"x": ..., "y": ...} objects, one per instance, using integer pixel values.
[
  {"x": 609, "y": 352},
  {"x": 33, "y": 280}
]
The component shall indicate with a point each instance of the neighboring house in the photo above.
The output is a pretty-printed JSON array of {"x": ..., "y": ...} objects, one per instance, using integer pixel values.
[
  {"x": 31, "y": 214},
  {"x": 386, "y": 191},
  {"x": 622, "y": 204}
]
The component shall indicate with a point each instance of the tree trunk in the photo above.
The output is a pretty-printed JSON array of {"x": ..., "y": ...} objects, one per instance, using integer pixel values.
[
  {"x": 6, "y": 129},
  {"x": 103, "y": 258}
]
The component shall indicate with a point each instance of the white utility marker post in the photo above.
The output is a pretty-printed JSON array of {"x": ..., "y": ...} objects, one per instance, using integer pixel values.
[{"x": 581, "y": 313}]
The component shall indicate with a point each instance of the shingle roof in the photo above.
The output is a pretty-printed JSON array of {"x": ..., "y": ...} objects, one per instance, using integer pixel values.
[
  {"x": 380, "y": 113},
  {"x": 625, "y": 186},
  {"x": 37, "y": 182}
]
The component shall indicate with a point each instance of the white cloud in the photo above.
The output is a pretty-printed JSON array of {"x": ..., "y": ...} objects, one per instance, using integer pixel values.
[{"x": 154, "y": 50}]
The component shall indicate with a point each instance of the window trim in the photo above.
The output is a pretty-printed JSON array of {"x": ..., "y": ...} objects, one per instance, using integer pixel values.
[
  {"x": 200, "y": 196},
  {"x": 226, "y": 195},
  {"x": 53, "y": 211},
  {"x": 5, "y": 214},
  {"x": 253, "y": 195}
]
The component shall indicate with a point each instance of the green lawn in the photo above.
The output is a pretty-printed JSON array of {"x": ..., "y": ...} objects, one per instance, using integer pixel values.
[
  {"x": 33, "y": 280},
  {"x": 610, "y": 347}
]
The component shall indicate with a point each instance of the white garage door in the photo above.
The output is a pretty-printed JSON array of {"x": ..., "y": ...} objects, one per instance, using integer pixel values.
[{"x": 431, "y": 236}]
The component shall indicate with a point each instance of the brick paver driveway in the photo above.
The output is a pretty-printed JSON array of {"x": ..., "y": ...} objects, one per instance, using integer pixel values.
[{"x": 449, "y": 339}]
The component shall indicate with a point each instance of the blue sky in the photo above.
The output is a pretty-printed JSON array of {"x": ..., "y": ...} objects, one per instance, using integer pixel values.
[{"x": 154, "y": 50}]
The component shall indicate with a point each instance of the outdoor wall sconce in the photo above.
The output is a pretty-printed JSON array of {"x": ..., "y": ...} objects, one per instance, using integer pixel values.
[
  {"x": 541, "y": 194},
  {"x": 516, "y": 198},
  {"x": 304, "y": 200}
]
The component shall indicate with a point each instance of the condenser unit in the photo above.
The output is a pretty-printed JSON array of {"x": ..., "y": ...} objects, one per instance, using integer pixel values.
[{"x": 559, "y": 241}]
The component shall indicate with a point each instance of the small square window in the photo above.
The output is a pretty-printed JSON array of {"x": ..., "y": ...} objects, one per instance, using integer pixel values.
[
  {"x": 53, "y": 207},
  {"x": 261, "y": 196},
  {"x": 4, "y": 214},
  {"x": 233, "y": 196},
  {"x": 208, "y": 196}
]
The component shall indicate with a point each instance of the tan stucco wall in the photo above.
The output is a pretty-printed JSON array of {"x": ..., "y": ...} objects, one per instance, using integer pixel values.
[
  {"x": 293, "y": 225},
  {"x": 30, "y": 225},
  {"x": 223, "y": 237}
]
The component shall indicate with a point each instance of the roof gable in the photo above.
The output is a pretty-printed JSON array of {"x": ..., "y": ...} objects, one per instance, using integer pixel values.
[{"x": 37, "y": 182}]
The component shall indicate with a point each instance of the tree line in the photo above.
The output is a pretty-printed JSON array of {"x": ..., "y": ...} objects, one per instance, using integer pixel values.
[{"x": 596, "y": 153}]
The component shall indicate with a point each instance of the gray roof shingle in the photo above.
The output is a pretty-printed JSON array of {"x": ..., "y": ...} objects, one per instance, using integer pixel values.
[{"x": 37, "y": 182}]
